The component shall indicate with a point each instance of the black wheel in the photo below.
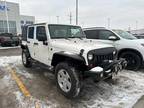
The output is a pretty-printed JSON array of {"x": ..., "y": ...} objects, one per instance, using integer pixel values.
[
  {"x": 133, "y": 60},
  {"x": 67, "y": 80},
  {"x": 26, "y": 59}
]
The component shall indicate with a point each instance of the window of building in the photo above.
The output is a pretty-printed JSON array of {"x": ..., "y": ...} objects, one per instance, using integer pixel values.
[
  {"x": 29, "y": 22},
  {"x": 4, "y": 27},
  {"x": 22, "y": 22}
]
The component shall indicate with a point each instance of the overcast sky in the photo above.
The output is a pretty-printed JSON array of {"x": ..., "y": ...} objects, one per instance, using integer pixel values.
[{"x": 123, "y": 13}]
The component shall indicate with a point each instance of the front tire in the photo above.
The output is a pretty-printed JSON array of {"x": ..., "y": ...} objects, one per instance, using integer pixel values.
[
  {"x": 67, "y": 80},
  {"x": 26, "y": 59},
  {"x": 133, "y": 59}
]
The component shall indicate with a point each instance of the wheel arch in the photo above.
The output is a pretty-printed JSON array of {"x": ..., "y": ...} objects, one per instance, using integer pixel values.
[
  {"x": 131, "y": 50},
  {"x": 71, "y": 58},
  {"x": 25, "y": 47}
]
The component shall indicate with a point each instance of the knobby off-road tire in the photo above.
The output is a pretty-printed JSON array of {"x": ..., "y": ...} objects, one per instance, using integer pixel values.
[
  {"x": 67, "y": 80},
  {"x": 26, "y": 59}
]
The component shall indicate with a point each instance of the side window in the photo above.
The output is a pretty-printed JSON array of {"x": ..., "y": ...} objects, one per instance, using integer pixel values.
[
  {"x": 91, "y": 34},
  {"x": 105, "y": 34},
  {"x": 40, "y": 32},
  {"x": 31, "y": 32}
]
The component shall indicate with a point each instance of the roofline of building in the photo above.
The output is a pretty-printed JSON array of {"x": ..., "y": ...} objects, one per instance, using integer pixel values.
[
  {"x": 10, "y": 2},
  {"x": 27, "y": 15}
]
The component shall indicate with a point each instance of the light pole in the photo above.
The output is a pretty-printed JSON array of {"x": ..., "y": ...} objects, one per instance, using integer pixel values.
[
  {"x": 57, "y": 19},
  {"x": 109, "y": 23},
  {"x": 137, "y": 27},
  {"x": 77, "y": 12},
  {"x": 7, "y": 18}
]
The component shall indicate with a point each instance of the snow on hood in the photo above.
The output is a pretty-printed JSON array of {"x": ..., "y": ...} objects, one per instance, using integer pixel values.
[{"x": 77, "y": 44}]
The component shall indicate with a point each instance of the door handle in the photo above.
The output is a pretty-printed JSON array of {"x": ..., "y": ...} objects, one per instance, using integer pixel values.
[{"x": 35, "y": 43}]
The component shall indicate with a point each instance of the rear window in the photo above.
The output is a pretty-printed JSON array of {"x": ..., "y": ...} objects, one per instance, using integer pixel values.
[
  {"x": 31, "y": 33},
  {"x": 24, "y": 33}
]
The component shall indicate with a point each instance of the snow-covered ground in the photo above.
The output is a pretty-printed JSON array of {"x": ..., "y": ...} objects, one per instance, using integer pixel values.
[
  {"x": 122, "y": 92},
  {"x": 5, "y": 61}
]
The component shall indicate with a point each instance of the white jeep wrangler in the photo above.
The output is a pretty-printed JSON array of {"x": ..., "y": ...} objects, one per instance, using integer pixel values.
[{"x": 71, "y": 56}]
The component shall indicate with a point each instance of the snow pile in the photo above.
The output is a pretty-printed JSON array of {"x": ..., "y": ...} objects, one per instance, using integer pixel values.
[
  {"x": 5, "y": 61},
  {"x": 123, "y": 92},
  {"x": 24, "y": 73},
  {"x": 13, "y": 61},
  {"x": 5, "y": 82},
  {"x": 32, "y": 102}
]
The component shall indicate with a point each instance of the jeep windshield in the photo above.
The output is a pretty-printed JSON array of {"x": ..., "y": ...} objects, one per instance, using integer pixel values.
[
  {"x": 65, "y": 31},
  {"x": 125, "y": 34}
]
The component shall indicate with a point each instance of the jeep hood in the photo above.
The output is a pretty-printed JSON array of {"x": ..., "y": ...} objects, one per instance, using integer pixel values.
[{"x": 75, "y": 45}]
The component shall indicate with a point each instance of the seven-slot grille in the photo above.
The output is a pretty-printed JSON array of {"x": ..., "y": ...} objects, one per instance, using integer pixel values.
[
  {"x": 102, "y": 54},
  {"x": 98, "y": 59}
]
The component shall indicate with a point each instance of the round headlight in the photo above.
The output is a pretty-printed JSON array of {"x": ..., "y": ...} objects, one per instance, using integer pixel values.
[
  {"x": 114, "y": 53},
  {"x": 90, "y": 56}
]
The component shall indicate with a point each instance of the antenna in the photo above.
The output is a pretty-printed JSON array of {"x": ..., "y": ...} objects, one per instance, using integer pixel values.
[
  {"x": 109, "y": 23},
  {"x": 57, "y": 19}
]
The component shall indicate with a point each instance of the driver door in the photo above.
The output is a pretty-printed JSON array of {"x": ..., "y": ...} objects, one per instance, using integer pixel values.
[{"x": 41, "y": 47}]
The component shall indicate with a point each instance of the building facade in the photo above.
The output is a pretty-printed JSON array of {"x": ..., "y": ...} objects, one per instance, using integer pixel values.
[{"x": 10, "y": 18}]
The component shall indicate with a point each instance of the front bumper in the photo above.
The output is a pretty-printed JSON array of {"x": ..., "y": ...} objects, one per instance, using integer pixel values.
[{"x": 108, "y": 68}]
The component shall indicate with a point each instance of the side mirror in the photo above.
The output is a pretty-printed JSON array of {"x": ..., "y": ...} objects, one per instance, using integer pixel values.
[
  {"x": 113, "y": 38},
  {"x": 42, "y": 37}
]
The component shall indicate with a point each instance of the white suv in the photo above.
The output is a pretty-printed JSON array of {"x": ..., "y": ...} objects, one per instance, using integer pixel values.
[
  {"x": 128, "y": 46},
  {"x": 72, "y": 57}
]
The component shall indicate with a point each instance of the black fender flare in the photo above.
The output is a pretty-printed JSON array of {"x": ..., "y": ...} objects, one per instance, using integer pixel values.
[
  {"x": 64, "y": 56},
  {"x": 25, "y": 47}
]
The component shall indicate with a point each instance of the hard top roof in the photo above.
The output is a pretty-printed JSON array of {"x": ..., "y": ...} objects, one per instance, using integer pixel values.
[
  {"x": 94, "y": 28},
  {"x": 51, "y": 24}
]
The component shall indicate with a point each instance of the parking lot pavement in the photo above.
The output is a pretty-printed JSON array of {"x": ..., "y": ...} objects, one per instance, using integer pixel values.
[
  {"x": 140, "y": 103},
  {"x": 10, "y": 51},
  {"x": 122, "y": 92}
]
